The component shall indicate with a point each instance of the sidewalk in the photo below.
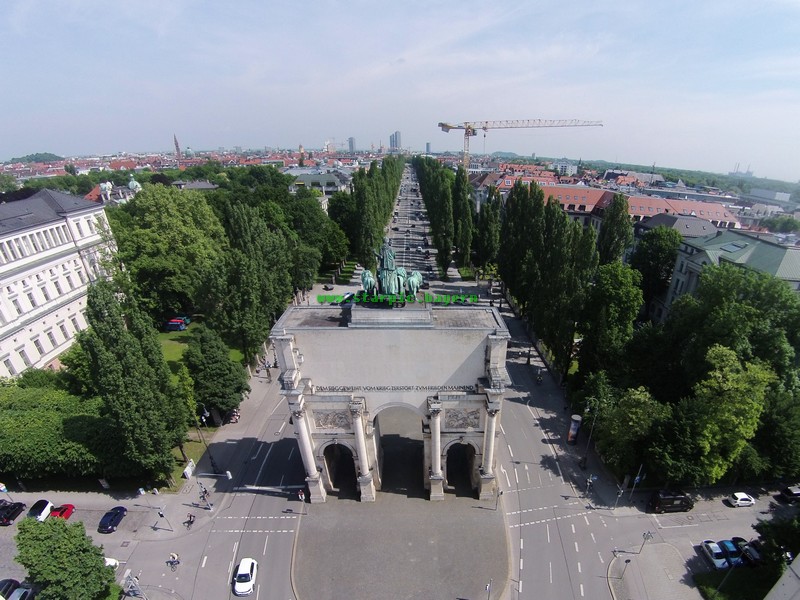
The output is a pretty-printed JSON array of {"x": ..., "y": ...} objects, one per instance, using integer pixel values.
[{"x": 656, "y": 571}]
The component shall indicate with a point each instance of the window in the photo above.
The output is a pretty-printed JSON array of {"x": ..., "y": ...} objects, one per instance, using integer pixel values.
[
  {"x": 9, "y": 366},
  {"x": 58, "y": 287},
  {"x": 582, "y": 208},
  {"x": 81, "y": 276},
  {"x": 17, "y": 306},
  {"x": 24, "y": 356},
  {"x": 45, "y": 294},
  {"x": 79, "y": 228},
  {"x": 74, "y": 322},
  {"x": 69, "y": 282},
  {"x": 31, "y": 299},
  {"x": 38, "y": 345},
  {"x": 64, "y": 331},
  {"x": 52, "y": 339},
  {"x": 90, "y": 223},
  {"x": 3, "y": 253}
]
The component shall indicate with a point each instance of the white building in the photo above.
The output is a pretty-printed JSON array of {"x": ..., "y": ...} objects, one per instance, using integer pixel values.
[{"x": 50, "y": 247}]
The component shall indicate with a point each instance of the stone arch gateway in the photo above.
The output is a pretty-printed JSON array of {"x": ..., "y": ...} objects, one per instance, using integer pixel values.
[{"x": 341, "y": 366}]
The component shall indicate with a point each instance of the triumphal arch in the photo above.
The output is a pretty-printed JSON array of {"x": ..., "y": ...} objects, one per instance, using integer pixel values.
[{"x": 341, "y": 366}]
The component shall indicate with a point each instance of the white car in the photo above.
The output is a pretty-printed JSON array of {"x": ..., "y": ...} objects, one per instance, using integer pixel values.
[
  {"x": 715, "y": 554},
  {"x": 244, "y": 581},
  {"x": 741, "y": 499}
]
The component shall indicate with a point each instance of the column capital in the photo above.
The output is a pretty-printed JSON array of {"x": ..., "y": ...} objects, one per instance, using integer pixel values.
[
  {"x": 492, "y": 411},
  {"x": 356, "y": 406},
  {"x": 298, "y": 412},
  {"x": 434, "y": 406}
]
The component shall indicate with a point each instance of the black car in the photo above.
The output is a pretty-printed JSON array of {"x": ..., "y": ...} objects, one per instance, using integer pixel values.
[
  {"x": 7, "y": 586},
  {"x": 112, "y": 519},
  {"x": 790, "y": 494},
  {"x": 10, "y": 512}
]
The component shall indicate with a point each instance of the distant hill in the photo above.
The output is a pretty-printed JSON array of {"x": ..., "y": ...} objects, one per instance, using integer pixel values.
[
  {"x": 39, "y": 157},
  {"x": 505, "y": 155}
]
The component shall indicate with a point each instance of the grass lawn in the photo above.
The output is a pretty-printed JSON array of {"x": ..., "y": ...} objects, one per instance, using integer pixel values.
[
  {"x": 467, "y": 273},
  {"x": 343, "y": 278},
  {"x": 743, "y": 583},
  {"x": 174, "y": 343},
  {"x": 194, "y": 449}
]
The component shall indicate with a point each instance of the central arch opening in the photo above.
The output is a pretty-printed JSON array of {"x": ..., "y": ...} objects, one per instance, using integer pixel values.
[
  {"x": 402, "y": 452},
  {"x": 342, "y": 469},
  {"x": 460, "y": 462}
]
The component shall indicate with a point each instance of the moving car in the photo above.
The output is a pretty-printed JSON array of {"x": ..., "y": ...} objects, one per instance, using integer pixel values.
[
  {"x": 63, "y": 512},
  {"x": 10, "y": 512},
  {"x": 790, "y": 494},
  {"x": 112, "y": 519},
  {"x": 670, "y": 501},
  {"x": 714, "y": 554},
  {"x": 40, "y": 510},
  {"x": 741, "y": 499},
  {"x": 244, "y": 581}
]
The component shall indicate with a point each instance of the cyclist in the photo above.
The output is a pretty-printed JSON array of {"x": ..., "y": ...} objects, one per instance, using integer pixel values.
[
  {"x": 174, "y": 558},
  {"x": 189, "y": 520}
]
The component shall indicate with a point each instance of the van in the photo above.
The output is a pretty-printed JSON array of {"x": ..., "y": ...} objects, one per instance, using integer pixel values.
[{"x": 670, "y": 501}]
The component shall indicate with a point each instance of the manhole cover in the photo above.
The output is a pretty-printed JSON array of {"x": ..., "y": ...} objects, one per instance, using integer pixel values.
[{"x": 125, "y": 544}]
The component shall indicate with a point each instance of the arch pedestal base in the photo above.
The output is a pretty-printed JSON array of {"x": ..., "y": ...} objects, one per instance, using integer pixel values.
[
  {"x": 316, "y": 490},
  {"x": 487, "y": 487},
  {"x": 367, "y": 488},
  {"x": 437, "y": 488}
]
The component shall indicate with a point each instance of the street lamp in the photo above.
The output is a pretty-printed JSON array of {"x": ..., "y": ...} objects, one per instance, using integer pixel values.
[
  {"x": 204, "y": 416},
  {"x": 647, "y": 535}
]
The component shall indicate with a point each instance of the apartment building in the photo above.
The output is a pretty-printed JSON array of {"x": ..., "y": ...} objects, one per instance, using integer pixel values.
[{"x": 50, "y": 250}]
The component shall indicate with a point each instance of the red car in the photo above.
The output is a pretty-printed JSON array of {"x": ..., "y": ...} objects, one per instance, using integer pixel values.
[{"x": 63, "y": 512}]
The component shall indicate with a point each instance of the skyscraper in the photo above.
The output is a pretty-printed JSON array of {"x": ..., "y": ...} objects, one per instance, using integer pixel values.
[
  {"x": 351, "y": 144},
  {"x": 394, "y": 142}
]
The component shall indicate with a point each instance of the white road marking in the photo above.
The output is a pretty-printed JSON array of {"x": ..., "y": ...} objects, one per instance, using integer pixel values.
[
  {"x": 581, "y": 590},
  {"x": 519, "y": 587},
  {"x": 263, "y": 463},
  {"x": 521, "y": 544},
  {"x": 268, "y": 488},
  {"x": 579, "y": 567},
  {"x": 503, "y": 431},
  {"x": 510, "y": 451},
  {"x": 594, "y": 540},
  {"x": 255, "y": 456},
  {"x": 252, "y": 531},
  {"x": 528, "y": 474},
  {"x": 600, "y": 556},
  {"x": 516, "y": 475},
  {"x": 520, "y": 563},
  {"x": 548, "y": 534},
  {"x": 203, "y": 564},
  {"x": 573, "y": 528},
  {"x": 264, "y": 552},
  {"x": 280, "y": 431},
  {"x": 233, "y": 561},
  {"x": 551, "y": 572},
  {"x": 576, "y": 547},
  {"x": 508, "y": 481},
  {"x": 280, "y": 483},
  {"x": 291, "y": 452},
  {"x": 586, "y": 519}
]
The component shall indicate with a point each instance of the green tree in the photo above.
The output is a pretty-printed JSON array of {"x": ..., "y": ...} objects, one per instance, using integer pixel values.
[
  {"x": 488, "y": 234},
  {"x": 463, "y": 220},
  {"x": 70, "y": 168},
  {"x": 624, "y": 429},
  {"x": 711, "y": 429},
  {"x": 7, "y": 183},
  {"x": 616, "y": 230},
  {"x": 219, "y": 382},
  {"x": 61, "y": 558},
  {"x": 342, "y": 211},
  {"x": 607, "y": 323},
  {"x": 129, "y": 381},
  {"x": 654, "y": 257},
  {"x": 170, "y": 242}
]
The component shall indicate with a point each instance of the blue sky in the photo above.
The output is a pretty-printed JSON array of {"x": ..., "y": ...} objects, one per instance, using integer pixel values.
[{"x": 698, "y": 85}]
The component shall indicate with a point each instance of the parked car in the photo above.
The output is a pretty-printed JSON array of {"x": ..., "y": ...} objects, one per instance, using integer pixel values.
[
  {"x": 10, "y": 512},
  {"x": 732, "y": 552},
  {"x": 112, "y": 519},
  {"x": 244, "y": 580},
  {"x": 714, "y": 554},
  {"x": 40, "y": 510},
  {"x": 174, "y": 325},
  {"x": 7, "y": 586},
  {"x": 185, "y": 318},
  {"x": 751, "y": 551},
  {"x": 670, "y": 501},
  {"x": 23, "y": 592},
  {"x": 63, "y": 512},
  {"x": 790, "y": 494},
  {"x": 741, "y": 499}
]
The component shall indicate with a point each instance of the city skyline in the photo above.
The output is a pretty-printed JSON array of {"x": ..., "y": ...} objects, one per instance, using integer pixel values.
[{"x": 678, "y": 85}]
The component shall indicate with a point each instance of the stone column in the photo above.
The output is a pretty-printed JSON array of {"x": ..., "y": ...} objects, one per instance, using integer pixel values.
[
  {"x": 313, "y": 479},
  {"x": 365, "y": 475},
  {"x": 436, "y": 477},
  {"x": 488, "y": 479}
]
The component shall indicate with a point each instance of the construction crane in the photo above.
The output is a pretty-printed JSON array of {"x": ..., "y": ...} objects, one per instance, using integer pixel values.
[{"x": 471, "y": 128}]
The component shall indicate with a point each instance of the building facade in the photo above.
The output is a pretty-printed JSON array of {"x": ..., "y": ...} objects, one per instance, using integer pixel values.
[
  {"x": 51, "y": 246},
  {"x": 340, "y": 368}
]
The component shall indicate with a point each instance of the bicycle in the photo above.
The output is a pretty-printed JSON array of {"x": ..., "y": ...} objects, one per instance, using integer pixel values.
[
  {"x": 189, "y": 521},
  {"x": 174, "y": 561}
]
